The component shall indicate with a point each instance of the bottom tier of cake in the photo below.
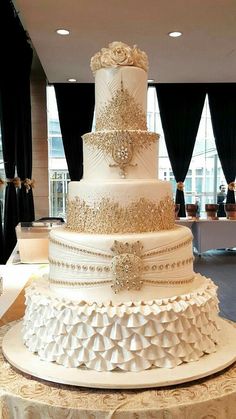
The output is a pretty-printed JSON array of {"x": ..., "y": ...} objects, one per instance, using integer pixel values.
[{"x": 131, "y": 336}]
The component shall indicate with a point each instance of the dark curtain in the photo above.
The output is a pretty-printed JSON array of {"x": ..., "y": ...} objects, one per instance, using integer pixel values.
[
  {"x": 180, "y": 110},
  {"x": 222, "y": 104},
  {"x": 24, "y": 139},
  {"x": 13, "y": 72},
  {"x": 2, "y": 251},
  {"x": 7, "y": 117},
  {"x": 75, "y": 104}
]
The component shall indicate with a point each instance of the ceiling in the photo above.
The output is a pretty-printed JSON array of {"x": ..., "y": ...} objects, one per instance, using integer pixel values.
[{"x": 205, "y": 53}]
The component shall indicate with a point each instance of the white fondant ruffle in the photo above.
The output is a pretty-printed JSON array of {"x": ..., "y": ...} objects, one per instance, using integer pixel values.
[{"x": 131, "y": 336}]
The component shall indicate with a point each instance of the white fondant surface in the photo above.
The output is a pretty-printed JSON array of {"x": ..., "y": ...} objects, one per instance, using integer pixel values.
[
  {"x": 96, "y": 164},
  {"x": 121, "y": 191}
]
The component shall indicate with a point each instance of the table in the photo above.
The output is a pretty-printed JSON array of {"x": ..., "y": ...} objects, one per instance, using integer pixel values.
[
  {"x": 214, "y": 234},
  {"x": 16, "y": 277},
  {"x": 211, "y": 234}
]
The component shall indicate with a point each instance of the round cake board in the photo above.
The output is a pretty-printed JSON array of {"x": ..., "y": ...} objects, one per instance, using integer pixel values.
[{"x": 19, "y": 357}]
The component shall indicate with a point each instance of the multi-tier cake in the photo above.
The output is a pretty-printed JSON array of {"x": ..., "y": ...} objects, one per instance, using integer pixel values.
[{"x": 122, "y": 293}]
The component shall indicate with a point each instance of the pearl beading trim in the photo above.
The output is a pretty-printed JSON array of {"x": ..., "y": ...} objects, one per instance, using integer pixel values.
[
  {"x": 110, "y": 256},
  {"x": 93, "y": 268},
  {"x": 107, "y": 282}
]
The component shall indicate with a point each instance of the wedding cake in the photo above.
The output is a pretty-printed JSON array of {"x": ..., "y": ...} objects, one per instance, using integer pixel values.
[{"x": 122, "y": 293}]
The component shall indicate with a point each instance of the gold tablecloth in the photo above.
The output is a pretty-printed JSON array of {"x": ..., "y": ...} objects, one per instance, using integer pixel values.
[{"x": 23, "y": 397}]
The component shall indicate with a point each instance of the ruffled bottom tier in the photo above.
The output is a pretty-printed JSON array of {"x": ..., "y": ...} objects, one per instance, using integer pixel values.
[{"x": 131, "y": 336}]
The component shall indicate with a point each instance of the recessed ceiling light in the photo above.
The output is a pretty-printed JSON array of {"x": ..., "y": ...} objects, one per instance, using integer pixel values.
[
  {"x": 72, "y": 80},
  {"x": 62, "y": 31},
  {"x": 175, "y": 34}
]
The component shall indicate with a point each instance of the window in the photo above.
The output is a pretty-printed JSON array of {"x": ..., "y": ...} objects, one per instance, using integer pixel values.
[
  {"x": 58, "y": 171},
  {"x": 205, "y": 173},
  {"x": 58, "y": 191},
  {"x": 56, "y": 147},
  {"x": 203, "y": 178}
]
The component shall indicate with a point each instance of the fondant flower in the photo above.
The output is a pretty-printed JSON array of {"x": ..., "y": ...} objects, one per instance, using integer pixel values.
[
  {"x": 119, "y": 54},
  {"x": 140, "y": 58},
  {"x": 95, "y": 63}
]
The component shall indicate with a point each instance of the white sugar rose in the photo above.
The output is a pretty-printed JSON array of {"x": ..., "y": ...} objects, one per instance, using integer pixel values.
[
  {"x": 140, "y": 58},
  {"x": 95, "y": 62},
  {"x": 117, "y": 54}
]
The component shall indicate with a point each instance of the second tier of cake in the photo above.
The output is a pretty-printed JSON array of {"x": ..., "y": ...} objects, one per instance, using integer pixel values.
[{"x": 121, "y": 206}]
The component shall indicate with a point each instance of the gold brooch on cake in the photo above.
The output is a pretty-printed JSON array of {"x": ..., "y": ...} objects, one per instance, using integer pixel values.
[
  {"x": 122, "y": 154},
  {"x": 127, "y": 266}
]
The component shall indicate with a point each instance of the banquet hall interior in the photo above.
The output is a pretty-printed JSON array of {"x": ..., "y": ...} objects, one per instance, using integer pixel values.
[{"x": 47, "y": 103}]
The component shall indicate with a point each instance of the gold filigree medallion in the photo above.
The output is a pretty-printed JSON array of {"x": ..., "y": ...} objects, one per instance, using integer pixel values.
[
  {"x": 122, "y": 155},
  {"x": 127, "y": 266}
]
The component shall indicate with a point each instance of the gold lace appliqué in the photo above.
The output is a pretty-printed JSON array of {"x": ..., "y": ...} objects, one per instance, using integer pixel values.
[
  {"x": 122, "y": 112},
  {"x": 121, "y": 130},
  {"x": 107, "y": 216}
]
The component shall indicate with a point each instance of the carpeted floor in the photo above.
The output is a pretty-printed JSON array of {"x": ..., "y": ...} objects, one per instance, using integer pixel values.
[{"x": 220, "y": 266}]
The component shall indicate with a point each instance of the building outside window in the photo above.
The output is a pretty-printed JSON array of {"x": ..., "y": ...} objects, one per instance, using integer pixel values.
[
  {"x": 203, "y": 178},
  {"x": 58, "y": 171}
]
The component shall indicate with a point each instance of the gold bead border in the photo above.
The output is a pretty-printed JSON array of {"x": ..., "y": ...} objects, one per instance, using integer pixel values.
[
  {"x": 168, "y": 249},
  {"x": 78, "y": 267},
  {"x": 110, "y": 256},
  {"x": 93, "y": 268},
  {"x": 80, "y": 250},
  {"x": 106, "y": 282}
]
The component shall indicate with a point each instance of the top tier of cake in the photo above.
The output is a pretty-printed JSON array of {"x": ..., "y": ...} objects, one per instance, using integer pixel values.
[
  {"x": 120, "y": 87},
  {"x": 121, "y": 99},
  {"x": 121, "y": 140}
]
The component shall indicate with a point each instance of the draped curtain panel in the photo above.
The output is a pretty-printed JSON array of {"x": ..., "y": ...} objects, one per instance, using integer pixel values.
[
  {"x": 24, "y": 137},
  {"x": 222, "y": 104},
  {"x": 16, "y": 57},
  {"x": 180, "y": 110},
  {"x": 7, "y": 117},
  {"x": 75, "y": 104},
  {"x": 2, "y": 250}
]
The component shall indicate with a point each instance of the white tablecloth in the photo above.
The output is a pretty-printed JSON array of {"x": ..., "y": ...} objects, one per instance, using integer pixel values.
[{"x": 211, "y": 234}]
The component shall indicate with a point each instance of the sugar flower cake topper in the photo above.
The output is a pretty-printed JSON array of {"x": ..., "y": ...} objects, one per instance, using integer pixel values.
[{"x": 119, "y": 54}]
